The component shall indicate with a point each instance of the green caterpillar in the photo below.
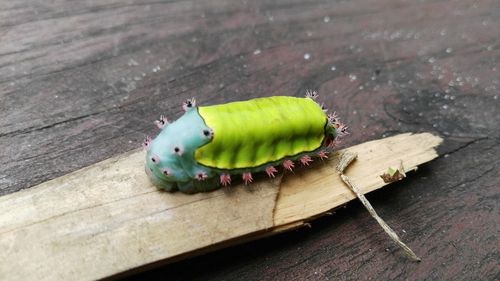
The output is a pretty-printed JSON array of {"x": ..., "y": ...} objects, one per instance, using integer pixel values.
[{"x": 206, "y": 146}]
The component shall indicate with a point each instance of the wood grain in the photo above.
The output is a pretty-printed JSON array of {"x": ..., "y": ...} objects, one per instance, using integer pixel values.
[
  {"x": 107, "y": 218},
  {"x": 294, "y": 204},
  {"x": 82, "y": 81}
]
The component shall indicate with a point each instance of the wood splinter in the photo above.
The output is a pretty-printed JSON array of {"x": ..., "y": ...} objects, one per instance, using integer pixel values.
[{"x": 345, "y": 159}]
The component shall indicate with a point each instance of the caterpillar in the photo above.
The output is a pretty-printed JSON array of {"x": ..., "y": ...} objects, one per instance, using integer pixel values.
[{"x": 208, "y": 145}]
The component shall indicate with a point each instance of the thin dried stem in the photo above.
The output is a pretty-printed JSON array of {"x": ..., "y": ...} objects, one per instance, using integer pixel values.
[{"x": 345, "y": 159}]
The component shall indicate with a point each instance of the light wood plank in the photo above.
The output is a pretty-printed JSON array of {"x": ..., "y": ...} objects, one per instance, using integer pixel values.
[{"x": 107, "y": 218}]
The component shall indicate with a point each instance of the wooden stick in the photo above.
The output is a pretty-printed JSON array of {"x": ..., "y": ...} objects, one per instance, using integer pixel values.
[{"x": 107, "y": 219}]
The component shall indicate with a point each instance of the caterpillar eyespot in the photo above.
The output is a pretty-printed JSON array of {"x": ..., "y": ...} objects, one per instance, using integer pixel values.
[
  {"x": 206, "y": 146},
  {"x": 155, "y": 159},
  {"x": 165, "y": 171},
  {"x": 201, "y": 176},
  {"x": 208, "y": 133},
  {"x": 178, "y": 151}
]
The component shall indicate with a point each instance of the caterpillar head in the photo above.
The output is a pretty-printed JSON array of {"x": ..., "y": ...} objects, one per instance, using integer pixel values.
[{"x": 169, "y": 158}]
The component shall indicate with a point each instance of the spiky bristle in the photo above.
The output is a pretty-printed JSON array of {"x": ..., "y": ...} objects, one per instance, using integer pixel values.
[
  {"x": 189, "y": 103},
  {"x": 147, "y": 142},
  {"x": 225, "y": 179},
  {"x": 270, "y": 170},
  {"x": 332, "y": 118},
  {"x": 305, "y": 160},
  {"x": 162, "y": 122},
  {"x": 247, "y": 178},
  {"x": 323, "y": 154},
  {"x": 342, "y": 130},
  {"x": 311, "y": 94},
  {"x": 288, "y": 164}
]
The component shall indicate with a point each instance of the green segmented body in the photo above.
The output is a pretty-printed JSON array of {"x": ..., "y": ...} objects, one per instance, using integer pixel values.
[
  {"x": 199, "y": 151},
  {"x": 255, "y": 133}
]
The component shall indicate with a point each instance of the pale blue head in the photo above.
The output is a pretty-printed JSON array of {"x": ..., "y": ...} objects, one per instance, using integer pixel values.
[{"x": 170, "y": 156}]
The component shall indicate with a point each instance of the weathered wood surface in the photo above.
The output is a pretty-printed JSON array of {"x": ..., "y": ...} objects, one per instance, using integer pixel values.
[
  {"x": 81, "y": 81},
  {"x": 108, "y": 219}
]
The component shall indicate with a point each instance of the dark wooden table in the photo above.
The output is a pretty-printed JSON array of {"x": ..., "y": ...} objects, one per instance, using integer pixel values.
[{"x": 81, "y": 81}]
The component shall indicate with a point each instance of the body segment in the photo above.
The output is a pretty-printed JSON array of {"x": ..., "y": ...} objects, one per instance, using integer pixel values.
[{"x": 253, "y": 133}]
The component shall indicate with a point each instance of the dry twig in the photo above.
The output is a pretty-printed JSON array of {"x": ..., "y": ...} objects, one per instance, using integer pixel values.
[{"x": 345, "y": 159}]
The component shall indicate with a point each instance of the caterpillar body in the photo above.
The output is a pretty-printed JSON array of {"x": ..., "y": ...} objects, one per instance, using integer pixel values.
[{"x": 208, "y": 145}]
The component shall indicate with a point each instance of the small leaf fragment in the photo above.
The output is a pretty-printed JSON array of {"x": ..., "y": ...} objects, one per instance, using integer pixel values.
[{"x": 393, "y": 175}]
